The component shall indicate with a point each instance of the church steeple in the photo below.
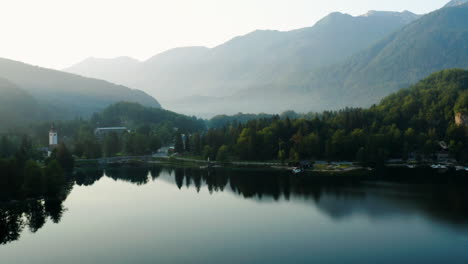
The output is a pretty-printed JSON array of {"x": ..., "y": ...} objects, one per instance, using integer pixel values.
[{"x": 53, "y": 136}]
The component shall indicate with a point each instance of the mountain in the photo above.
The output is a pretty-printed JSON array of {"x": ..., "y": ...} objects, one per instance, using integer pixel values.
[
  {"x": 64, "y": 95},
  {"x": 120, "y": 67},
  {"x": 456, "y": 3},
  {"x": 434, "y": 42},
  {"x": 430, "y": 103},
  {"x": 16, "y": 106},
  {"x": 180, "y": 77}
]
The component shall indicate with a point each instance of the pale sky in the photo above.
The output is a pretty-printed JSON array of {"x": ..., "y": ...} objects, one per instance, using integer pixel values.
[{"x": 59, "y": 33}]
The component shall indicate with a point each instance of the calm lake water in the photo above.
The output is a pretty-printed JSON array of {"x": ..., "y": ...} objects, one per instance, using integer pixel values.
[{"x": 166, "y": 215}]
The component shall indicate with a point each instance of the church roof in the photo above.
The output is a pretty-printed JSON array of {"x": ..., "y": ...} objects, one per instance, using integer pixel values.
[{"x": 52, "y": 129}]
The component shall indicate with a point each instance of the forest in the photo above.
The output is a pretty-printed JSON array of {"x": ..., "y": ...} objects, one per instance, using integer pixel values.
[
  {"x": 410, "y": 123},
  {"x": 149, "y": 129},
  {"x": 28, "y": 173}
]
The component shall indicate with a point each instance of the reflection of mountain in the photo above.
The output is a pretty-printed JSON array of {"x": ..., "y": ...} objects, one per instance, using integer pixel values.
[{"x": 441, "y": 198}]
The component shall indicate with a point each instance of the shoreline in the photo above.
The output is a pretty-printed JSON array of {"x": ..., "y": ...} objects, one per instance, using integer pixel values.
[{"x": 332, "y": 167}]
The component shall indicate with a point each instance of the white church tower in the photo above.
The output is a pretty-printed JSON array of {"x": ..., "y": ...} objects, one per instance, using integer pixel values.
[
  {"x": 53, "y": 137},
  {"x": 53, "y": 140}
]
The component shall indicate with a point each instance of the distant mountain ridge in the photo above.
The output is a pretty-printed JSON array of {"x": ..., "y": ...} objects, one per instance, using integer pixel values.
[
  {"x": 254, "y": 60},
  {"x": 100, "y": 68},
  {"x": 60, "y": 95},
  {"x": 456, "y": 3},
  {"x": 341, "y": 61},
  {"x": 435, "y": 42}
]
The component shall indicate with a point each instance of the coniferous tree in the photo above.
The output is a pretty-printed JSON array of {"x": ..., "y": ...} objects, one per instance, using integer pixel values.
[
  {"x": 178, "y": 145},
  {"x": 64, "y": 157}
]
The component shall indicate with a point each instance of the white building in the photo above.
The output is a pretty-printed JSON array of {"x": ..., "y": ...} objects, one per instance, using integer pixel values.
[
  {"x": 53, "y": 137},
  {"x": 53, "y": 140}
]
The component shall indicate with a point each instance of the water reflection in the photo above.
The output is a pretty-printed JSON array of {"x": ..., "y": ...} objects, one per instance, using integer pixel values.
[
  {"x": 15, "y": 217},
  {"x": 439, "y": 198},
  {"x": 32, "y": 214}
]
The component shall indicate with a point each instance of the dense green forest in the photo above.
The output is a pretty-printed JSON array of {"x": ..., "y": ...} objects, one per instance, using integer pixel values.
[
  {"x": 222, "y": 120},
  {"x": 150, "y": 128},
  {"x": 26, "y": 173},
  {"x": 412, "y": 121}
]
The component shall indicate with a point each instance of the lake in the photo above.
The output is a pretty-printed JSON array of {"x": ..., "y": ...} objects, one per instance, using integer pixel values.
[{"x": 183, "y": 215}]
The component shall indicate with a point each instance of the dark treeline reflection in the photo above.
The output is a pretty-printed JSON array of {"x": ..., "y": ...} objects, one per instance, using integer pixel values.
[
  {"x": 139, "y": 176},
  {"x": 31, "y": 214},
  {"x": 441, "y": 197}
]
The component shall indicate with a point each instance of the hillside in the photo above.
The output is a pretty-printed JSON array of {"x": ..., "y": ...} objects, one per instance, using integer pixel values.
[
  {"x": 411, "y": 122},
  {"x": 341, "y": 61},
  {"x": 16, "y": 106},
  {"x": 456, "y": 3},
  {"x": 437, "y": 41},
  {"x": 183, "y": 76},
  {"x": 64, "y": 95},
  {"x": 115, "y": 70},
  {"x": 430, "y": 103},
  {"x": 134, "y": 115}
]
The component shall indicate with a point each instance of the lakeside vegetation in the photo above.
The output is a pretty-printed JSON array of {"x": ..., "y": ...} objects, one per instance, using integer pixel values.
[
  {"x": 411, "y": 122},
  {"x": 26, "y": 173},
  {"x": 406, "y": 125},
  {"x": 149, "y": 129}
]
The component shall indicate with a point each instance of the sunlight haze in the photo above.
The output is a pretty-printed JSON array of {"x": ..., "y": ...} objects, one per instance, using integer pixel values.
[{"x": 58, "y": 33}]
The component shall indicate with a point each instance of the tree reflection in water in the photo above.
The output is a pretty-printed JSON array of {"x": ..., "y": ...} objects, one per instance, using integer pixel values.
[
  {"x": 15, "y": 217},
  {"x": 441, "y": 198}
]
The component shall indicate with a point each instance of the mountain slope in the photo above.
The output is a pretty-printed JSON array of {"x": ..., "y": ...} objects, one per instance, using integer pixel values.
[
  {"x": 430, "y": 103},
  {"x": 257, "y": 59},
  {"x": 101, "y": 68},
  {"x": 436, "y": 41},
  {"x": 134, "y": 115},
  {"x": 456, "y": 3},
  {"x": 66, "y": 95},
  {"x": 16, "y": 106}
]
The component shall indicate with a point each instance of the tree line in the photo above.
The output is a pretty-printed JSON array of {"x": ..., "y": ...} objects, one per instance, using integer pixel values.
[
  {"x": 149, "y": 129},
  {"x": 411, "y": 122},
  {"x": 26, "y": 173}
]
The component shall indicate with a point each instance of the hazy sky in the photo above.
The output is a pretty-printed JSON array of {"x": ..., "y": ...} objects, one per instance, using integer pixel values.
[{"x": 58, "y": 33}]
